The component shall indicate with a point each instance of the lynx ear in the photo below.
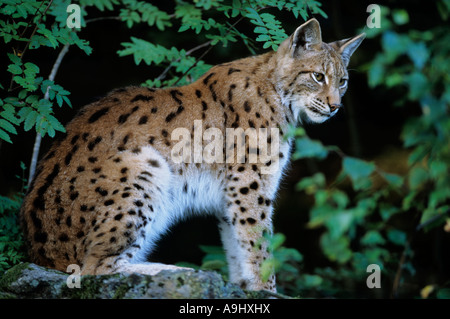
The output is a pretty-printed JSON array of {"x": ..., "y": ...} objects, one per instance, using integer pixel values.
[
  {"x": 305, "y": 37},
  {"x": 346, "y": 47}
]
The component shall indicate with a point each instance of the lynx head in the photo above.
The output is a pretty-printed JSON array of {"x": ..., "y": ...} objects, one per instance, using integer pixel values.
[{"x": 311, "y": 75}]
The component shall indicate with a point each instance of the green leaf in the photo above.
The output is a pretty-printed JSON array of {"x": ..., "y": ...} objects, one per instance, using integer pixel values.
[
  {"x": 4, "y": 136},
  {"x": 311, "y": 281},
  {"x": 418, "y": 53},
  {"x": 276, "y": 241},
  {"x": 7, "y": 126},
  {"x": 213, "y": 264},
  {"x": 268, "y": 267},
  {"x": 305, "y": 147},
  {"x": 359, "y": 171},
  {"x": 400, "y": 17},
  {"x": 397, "y": 237},
  {"x": 9, "y": 114},
  {"x": 311, "y": 184},
  {"x": 336, "y": 249},
  {"x": 339, "y": 223},
  {"x": 443, "y": 293},
  {"x": 14, "y": 69},
  {"x": 372, "y": 238},
  {"x": 418, "y": 84},
  {"x": 213, "y": 250},
  {"x": 417, "y": 177},
  {"x": 30, "y": 120},
  {"x": 393, "y": 179}
]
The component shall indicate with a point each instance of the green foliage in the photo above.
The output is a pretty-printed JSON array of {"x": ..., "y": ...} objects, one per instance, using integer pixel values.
[
  {"x": 11, "y": 238},
  {"x": 28, "y": 99},
  {"x": 354, "y": 214},
  {"x": 212, "y": 20},
  {"x": 357, "y": 225}
]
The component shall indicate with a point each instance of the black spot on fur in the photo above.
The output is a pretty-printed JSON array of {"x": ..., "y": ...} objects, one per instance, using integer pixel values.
[
  {"x": 40, "y": 237},
  {"x": 172, "y": 115},
  {"x": 174, "y": 93},
  {"x": 205, "y": 80},
  {"x": 97, "y": 115},
  {"x": 153, "y": 163},
  {"x": 109, "y": 202},
  {"x": 260, "y": 200},
  {"x": 254, "y": 185},
  {"x": 213, "y": 92},
  {"x": 69, "y": 221},
  {"x": 63, "y": 237},
  {"x": 93, "y": 143},
  {"x": 123, "y": 118},
  {"x": 244, "y": 190},
  {"x": 230, "y": 92},
  {"x": 74, "y": 139},
  {"x": 247, "y": 107},
  {"x": 74, "y": 196},
  {"x": 143, "y": 120},
  {"x": 138, "y": 203},
  {"x": 141, "y": 97},
  {"x": 38, "y": 201},
  {"x": 101, "y": 191},
  {"x": 232, "y": 70},
  {"x": 69, "y": 156}
]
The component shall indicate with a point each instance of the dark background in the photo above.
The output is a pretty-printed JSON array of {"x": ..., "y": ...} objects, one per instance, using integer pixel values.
[{"x": 368, "y": 127}]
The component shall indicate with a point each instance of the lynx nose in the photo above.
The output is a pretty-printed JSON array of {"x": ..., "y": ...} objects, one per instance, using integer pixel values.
[{"x": 334, "y": 107}]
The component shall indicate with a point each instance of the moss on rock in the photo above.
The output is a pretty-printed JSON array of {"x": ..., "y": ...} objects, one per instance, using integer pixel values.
[{"x": 32, "y": 281}]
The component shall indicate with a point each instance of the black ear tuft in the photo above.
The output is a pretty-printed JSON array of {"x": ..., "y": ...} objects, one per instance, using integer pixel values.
[
  {"x": 306, "y": 37},
  {"x": 348, "y": 46}
]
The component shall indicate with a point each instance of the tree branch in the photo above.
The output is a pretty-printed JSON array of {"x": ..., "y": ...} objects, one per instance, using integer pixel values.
[
  {"x": 32, "y": 34},
  {"x": 207, "y": 51},
  {"x": 37, "y": 141},
  {"x": 167, "y": 69}
]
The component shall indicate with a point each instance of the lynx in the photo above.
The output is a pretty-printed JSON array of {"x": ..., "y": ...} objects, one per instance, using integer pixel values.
[{"x": 107, "y": 190}]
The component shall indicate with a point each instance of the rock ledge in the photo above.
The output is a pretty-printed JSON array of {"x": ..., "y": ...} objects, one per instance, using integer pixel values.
[{"x": 29, "y": 281}]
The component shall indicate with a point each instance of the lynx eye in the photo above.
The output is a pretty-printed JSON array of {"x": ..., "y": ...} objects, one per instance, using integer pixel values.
[
  {"x": 342, "y": 83},
  {"x": 318, "y": 77}
]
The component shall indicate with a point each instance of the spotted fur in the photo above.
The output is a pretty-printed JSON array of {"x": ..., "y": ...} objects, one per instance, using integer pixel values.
[{"x": 106, "y": 191}]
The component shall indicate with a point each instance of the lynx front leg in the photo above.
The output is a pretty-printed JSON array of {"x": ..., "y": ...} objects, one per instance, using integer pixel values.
[
  {"x": 246, "y": 220},
  {"x": 245, "y": 256}
]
